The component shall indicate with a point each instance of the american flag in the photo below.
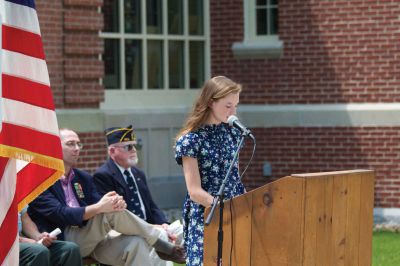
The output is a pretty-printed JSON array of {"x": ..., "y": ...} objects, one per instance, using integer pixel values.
[{"x": 30, "y": 149}]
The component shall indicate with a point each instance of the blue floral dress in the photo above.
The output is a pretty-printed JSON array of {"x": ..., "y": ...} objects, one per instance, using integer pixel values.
[{"x": 214, "y": 147}]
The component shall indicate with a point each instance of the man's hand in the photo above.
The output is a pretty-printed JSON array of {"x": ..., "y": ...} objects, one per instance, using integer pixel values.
[
  {"x": 111, "y": 202},
  {"x": 47, "y": 240},
  {"x": 171, "y": 237},
  {"x": 106, "y": 203},
  {"x": 119, "y": 203}
]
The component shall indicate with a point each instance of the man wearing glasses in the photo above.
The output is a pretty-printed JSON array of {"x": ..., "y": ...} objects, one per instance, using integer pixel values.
[
  {"x": 120, "y": 174},
  {"x": 74, "y": 205}
]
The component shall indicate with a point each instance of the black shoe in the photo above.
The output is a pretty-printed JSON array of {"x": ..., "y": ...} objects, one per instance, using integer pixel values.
[{"x": 177, "y": 255}]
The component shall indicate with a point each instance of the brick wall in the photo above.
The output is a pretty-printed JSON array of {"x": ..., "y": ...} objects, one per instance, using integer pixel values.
[
  {"x": 94, "y": 151},
  {"x": 334, "y": 51},
  {"x": 82, "y": 67},
  {"x": 318, "y": 149},
  {"x": 51, "y": 27},
  {"x": 72, "y": 45}
]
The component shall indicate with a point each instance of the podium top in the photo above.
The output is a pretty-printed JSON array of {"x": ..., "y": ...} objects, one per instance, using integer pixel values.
[{"x": 334, "y": 173}]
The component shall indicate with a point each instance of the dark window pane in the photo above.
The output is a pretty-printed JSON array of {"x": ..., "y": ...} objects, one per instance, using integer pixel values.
[
  {"x": 196, "y": 17},
  {"x": 111, "y": 18},
  {"x": 176, "y": 65},
  {"x": 155, "y": 64},
  {"x": 196, "y": 63},
  {"x": 274, "y": 21},
  {"x": 274, "y": 2},
  {"x": 111, "y": 58},
  {"x": 175, "y": 17},
  {"x": 154, "y": 16},
  {"x": 132, "y": 15},
  {"x": 261, "y": 2},
  {"x": 262, "y": 22},
  {"x": 133, "y": 64}
]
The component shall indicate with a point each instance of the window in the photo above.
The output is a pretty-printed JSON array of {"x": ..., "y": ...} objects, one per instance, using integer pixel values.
[
  {"x": 156, "y": 51},
  {"x": 261, "y": 25}
]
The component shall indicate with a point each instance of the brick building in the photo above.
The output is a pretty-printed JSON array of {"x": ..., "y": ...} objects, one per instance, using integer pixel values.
[{"x": 321, "y": 81}]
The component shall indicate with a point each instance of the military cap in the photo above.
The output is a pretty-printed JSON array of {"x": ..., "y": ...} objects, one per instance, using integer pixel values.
[{"x": 119, "y": 134}]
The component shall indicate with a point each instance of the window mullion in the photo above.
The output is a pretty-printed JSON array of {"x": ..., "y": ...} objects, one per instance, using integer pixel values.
[
  {"x": 144, "y": 44},
  {"x": 186, "y": 69},
  {"x": 207, "y": 56},
  {"x": 269, "y": 14},
  {"x": 122, "y": 44},
  {"x": 165, "y": 44}
]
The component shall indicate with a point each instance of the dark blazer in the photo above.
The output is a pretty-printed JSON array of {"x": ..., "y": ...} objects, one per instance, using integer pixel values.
[
  {"x": 50, "y": 210},
  {"x": 109, "y": 178}
]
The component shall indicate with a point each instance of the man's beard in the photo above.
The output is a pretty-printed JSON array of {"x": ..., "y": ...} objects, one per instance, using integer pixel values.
[{"x": 133, "y": 162}]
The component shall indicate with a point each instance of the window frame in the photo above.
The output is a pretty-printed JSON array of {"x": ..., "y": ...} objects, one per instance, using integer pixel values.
[
  {"x": 253, "y": 45},
  {"x": 145, "y": 96}
]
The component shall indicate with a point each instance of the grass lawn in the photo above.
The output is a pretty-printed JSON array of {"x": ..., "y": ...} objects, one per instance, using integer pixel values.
[{"x": 385, "y": 249}]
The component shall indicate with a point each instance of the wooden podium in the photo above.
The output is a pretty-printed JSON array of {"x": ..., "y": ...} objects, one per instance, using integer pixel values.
[{"x": 303, "y": 219}]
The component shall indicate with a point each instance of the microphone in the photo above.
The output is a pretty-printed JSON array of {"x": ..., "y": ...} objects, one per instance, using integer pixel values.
[{"x": 233, "y": 121}]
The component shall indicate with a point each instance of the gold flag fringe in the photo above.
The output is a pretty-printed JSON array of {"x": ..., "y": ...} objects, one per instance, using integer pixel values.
[
  {"x": 39, "y": 159},
  {"x": 36, "y": 158}
]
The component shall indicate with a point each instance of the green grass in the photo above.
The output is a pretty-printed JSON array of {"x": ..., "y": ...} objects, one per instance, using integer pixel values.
[{"x": 385, "y": 249}]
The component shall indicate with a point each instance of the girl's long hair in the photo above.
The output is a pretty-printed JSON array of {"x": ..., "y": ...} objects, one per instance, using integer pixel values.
[{"x": 213, "y": 89}]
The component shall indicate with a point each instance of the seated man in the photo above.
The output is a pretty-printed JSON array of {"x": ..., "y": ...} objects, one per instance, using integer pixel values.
[
  {"x": 73, "y": 205},
  {"x": 49, "y": 252},
  {"x": 120, "y": 174}
]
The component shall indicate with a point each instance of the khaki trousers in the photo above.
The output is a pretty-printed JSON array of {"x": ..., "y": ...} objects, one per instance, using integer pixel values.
[
  {"x": 131, "y": 247},
  {"x": 155, "y": 260}
]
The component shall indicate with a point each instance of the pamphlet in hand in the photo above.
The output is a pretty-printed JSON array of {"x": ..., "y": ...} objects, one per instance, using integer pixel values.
[
  {"x": 53, "y": 233},
  {"x": 176, "y": 229}
]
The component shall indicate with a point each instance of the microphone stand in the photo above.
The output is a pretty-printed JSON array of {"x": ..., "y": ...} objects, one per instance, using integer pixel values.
[{"x": 220, "y": 200}]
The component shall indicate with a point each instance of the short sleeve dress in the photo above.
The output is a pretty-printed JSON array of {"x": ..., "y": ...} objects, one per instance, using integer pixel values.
[{"x": 214, "y": 147}]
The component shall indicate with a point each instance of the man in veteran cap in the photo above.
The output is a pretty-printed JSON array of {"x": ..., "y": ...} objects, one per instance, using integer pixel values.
[
  {"x": 74, "y": 205},
  {"x": 120, "y": 174}
]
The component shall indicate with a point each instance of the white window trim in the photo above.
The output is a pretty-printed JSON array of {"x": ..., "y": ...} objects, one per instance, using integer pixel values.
[
  {"x": 254, "y": 46},
  {"x": 163, "y": 97}
]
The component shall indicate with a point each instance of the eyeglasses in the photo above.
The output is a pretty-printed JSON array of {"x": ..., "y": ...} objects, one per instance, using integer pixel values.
[
  {"x": 73, "y": 144},
  {"x": 127, "y": 147}
]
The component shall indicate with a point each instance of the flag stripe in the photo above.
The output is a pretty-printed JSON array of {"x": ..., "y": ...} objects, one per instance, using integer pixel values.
[
  {"x": 7, "y": 184},
  {"x": 29, "y": 116},
  {"x": 39, "y": 189},
  {"x": 20, "y": 14},
  {"x": 9, "y": 230},
  {"x": 9, "y": 217},
  {"x": 27, "y": 67},
  {"x": 13, "y": 256},
  {"x": 26, "y": 183},
  {"x": 21, "y": 138},
  {"x": 12, "y": 37},
  {"x": 27, "y": 91}
]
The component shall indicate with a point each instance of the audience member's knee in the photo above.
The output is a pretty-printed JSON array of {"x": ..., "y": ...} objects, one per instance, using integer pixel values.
[
  {"x": 42, "y": 253},
  {"x": 72, "y": 247}
]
